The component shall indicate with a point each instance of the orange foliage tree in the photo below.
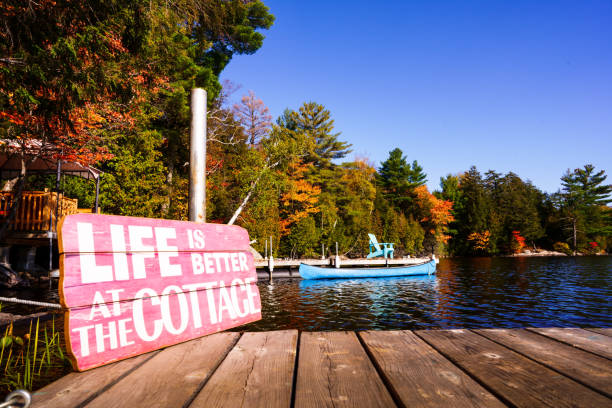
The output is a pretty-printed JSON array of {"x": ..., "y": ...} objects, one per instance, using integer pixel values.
[
  {"x": 480, "y": 241},
  {"x": 434, "y": 214},
  {"x": 299, "y": 199}
]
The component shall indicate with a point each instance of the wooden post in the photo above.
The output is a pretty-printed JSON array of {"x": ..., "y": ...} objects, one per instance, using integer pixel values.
[
  {"x": 271, "y": 261},
  {"x": 197, "y": 157},
  {"x": 337, "y": 260},
  {"x": 97, "y": 193}
]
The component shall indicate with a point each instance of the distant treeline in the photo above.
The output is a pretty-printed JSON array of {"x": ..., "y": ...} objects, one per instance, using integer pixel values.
[{"x": 108, "y": 84}]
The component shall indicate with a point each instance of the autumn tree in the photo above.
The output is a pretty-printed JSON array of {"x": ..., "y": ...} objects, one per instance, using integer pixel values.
[
  {"x": 280, "y": 148},
  {"x": 299, "y": 198},
  {"x": 435, "y": 215},
  {"x": 480, "y": 242},
  {"x": 355, "y": 192},
  {"x": 124, "y": 70},
  {"x": 66, "y": 78},
  {"x": 254, "y": 117}
]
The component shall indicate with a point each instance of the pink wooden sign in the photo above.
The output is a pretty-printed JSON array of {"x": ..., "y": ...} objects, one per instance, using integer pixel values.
[{"x": 132, "y": 285}]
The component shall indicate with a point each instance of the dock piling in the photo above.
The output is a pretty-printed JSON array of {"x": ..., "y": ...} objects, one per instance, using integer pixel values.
[{"x": 197, "y": 157}]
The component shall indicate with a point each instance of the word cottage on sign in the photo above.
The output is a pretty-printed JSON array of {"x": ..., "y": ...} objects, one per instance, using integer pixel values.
[{"x": 133, "y": 285}]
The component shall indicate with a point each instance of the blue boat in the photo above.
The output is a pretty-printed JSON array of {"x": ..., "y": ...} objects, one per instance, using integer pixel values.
[{"x": 316, "y": 272}]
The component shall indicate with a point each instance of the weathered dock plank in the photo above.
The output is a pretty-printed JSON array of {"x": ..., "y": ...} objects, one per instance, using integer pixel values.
[
  {"x": 172, "y": 377},
  {"x": 584, "y": 339},
  {"x": 591, "y": 370},
  {"x": 335, "y": 371},
  {"x": 513, "y": 377},
  {"x": 605, "y": 332},
  {"x": 458, "y": 368},
  {"x": 75, "y": 389},
  {"x": 420, "y": 376},
  {"x": 258, "y": 372}
]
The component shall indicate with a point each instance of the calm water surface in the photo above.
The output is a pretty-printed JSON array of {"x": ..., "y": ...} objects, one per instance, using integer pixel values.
[{"x": 465, "y": 293}]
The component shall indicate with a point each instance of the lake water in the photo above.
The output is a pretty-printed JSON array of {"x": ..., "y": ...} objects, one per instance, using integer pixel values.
[{"x": 464, "y": 293}]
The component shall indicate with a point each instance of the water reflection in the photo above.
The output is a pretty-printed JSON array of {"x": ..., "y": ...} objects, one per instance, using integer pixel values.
[{"x": 465, "y": 293}]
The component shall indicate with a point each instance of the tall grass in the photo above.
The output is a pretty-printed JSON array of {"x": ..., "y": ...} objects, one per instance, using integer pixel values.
[{"x": 33, "y": 359}]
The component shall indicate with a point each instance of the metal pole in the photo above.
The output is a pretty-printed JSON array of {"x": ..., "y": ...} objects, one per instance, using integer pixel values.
[
  {"x": 97, "y": 193},
  {"x": 197, "y": 157},
  {"x": 57, "y": 189}
]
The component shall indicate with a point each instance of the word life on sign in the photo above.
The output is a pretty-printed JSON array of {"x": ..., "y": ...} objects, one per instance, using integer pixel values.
[{"x": 133, "y": 285}]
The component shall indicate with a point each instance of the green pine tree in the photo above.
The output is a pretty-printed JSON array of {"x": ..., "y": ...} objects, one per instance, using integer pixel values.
[
  {"x": 316, "y": 123},
  {"x": 581, "y": 200}
]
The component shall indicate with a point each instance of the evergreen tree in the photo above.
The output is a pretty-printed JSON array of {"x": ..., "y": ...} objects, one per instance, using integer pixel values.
[
  {"x": 581, "y": 199},
  {"x": 473, "y": 215},
  {"x": 398, "y": 179},
  {"x": 517, "y": 208},
  {"x": 452, "y": 192},
  {"x": 316, "y": 123}
]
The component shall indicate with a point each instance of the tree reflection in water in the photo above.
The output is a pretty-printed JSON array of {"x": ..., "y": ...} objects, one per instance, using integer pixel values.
[{"x": 464, "y": 293}]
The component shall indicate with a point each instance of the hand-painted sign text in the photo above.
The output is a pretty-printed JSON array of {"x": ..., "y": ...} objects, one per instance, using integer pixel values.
[{"x": 132, "y": 285}]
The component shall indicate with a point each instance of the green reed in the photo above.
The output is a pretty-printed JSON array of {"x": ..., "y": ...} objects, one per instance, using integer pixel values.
[{"x": 33, "y": 359}]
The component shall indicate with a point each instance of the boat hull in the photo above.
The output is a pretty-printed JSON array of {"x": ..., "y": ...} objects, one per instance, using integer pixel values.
[{"x": 316, "y": 272}]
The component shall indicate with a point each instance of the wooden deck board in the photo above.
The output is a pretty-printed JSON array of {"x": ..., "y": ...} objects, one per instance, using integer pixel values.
[
  {"x": 584, "y": 339},
  {"x": 172, "y": 377},
  {"x": 458, "y": 368},
  {"x": 422, "y": 377},
  {"x": 258, "y": 372},
  {"x": 584, "y": 367},
  {"x": 76, "y": 388},
  {"x": 514, "y": 378},
  {"x": 605, "y": 332},
  {"x": 335, "y": 371}
]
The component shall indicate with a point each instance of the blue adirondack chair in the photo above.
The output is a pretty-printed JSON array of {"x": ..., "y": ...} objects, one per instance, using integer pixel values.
[{"x": 380, "y": 248}]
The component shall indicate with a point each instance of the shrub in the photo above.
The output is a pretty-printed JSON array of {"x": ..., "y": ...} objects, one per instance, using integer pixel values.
[{"x": 562, "y": 247}]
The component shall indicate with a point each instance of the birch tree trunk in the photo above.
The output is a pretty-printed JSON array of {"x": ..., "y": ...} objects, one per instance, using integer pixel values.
[{"x": 246, "y": 200}]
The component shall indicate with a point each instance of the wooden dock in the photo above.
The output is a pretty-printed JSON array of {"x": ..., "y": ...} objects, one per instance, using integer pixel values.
[
  {"x": 288, "y": 268},
  {"x": 544, "y": 367}
]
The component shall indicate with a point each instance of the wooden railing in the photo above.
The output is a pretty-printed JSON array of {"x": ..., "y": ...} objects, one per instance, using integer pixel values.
[{"x": 36, "y": 210}]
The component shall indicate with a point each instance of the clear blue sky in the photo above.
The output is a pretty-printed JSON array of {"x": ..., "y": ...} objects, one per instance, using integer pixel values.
[{"x": 523, "y": 86}]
